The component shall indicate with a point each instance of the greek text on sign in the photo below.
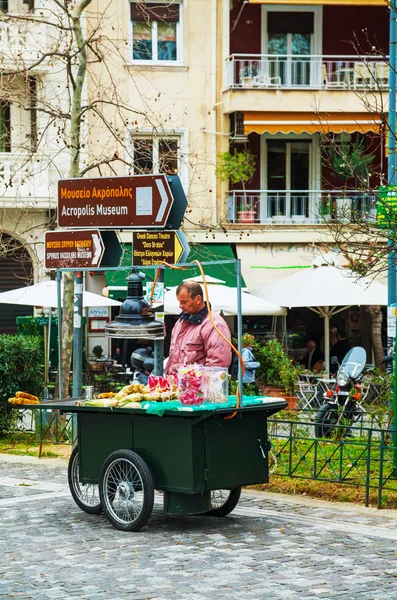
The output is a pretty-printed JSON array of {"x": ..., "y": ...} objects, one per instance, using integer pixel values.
[
  {"x": 140, "y": 201},
  {"x": 154, "y": 247},
  {"x": 73, "y": 249},
  {"x": 386, "y": 207}
]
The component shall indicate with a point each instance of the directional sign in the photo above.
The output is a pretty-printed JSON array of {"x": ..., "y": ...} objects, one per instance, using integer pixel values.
[
  {"x": 386, "y": 208},
  {"x": 179, "y": 206},
  {"x": 80, "y": 249},
  {"x": 141, "y": 201},
  {"x": 155, "y": 247}
]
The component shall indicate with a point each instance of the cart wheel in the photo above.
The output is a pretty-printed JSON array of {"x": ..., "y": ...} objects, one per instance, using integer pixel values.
[
  {"x": 223, "y": 502},
  {"x": 126, "y": 490},
  {"x": 86, "y": 495}
]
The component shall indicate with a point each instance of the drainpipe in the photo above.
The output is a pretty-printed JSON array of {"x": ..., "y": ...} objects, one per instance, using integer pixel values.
[{"x": 214, "y": 208}]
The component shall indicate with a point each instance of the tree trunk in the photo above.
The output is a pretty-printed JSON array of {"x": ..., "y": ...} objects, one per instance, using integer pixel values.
[
  {"x": 74, "y": 171},
  {"x": 376, "y": 317}
]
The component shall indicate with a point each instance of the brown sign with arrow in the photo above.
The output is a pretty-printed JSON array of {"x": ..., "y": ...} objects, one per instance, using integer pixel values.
[
  {"x": 141, "y": 201},
  {"x": 73, "y": 249}
]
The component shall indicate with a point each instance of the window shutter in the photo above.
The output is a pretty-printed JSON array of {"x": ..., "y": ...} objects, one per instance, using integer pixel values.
[
  {"x": 290, "y": 22},
  {"x": 142, "y": 11}
]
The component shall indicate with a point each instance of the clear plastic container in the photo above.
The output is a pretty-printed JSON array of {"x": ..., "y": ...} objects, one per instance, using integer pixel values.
[
  {"x": 190, "y": 385},
  {"x": 215, "y": 384}
]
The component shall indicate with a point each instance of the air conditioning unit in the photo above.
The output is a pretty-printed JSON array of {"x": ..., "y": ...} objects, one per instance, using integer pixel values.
[{"x": 237, "y": 134}]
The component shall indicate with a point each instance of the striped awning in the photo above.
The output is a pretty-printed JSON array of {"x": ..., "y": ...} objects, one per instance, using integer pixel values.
[{"x": 297, "y": 122}]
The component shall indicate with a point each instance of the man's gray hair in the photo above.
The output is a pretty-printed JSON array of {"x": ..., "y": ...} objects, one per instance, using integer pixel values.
[{"x": 192, "y": 287}]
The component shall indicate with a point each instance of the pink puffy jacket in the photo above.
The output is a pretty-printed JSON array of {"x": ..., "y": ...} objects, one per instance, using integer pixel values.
[{"x": 199, "y": 344}]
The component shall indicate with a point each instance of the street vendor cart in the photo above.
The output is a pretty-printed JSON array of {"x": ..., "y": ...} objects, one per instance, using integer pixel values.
[
  {"x": 198, "y": 447},
  {"x": 198, "y": 458}
]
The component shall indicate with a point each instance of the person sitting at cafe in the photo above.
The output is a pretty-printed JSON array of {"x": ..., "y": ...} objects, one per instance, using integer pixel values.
[
  {"x": 340, "y": 349},
  {"x": 314, "y": 359}
]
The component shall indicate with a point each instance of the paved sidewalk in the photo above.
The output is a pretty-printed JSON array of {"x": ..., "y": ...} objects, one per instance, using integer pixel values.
[{"x": 271, "y": 546}]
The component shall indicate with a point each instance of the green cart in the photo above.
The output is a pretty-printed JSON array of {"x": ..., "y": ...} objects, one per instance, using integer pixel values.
[{"x": 198, "y": 459}]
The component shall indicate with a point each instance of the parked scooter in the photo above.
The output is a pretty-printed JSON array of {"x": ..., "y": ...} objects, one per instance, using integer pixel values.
[
  {"x": 342, "y": 404},
  {"x": 142, "y": 362}
]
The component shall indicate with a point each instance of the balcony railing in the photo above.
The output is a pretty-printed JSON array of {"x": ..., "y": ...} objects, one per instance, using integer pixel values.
[
  {"x": 302, "y": 72},
  {"x": 299, "y": 207},
  {"x": 23, "y": 182},
  {"x": 22, "y": 43}
]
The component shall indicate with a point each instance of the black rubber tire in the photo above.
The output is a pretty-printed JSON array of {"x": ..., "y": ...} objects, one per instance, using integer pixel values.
[
  {"x": 125, "y": 476},
  {"x": 326, "y": 417},
  {"x": 224, "y": 501},
  {"x": 86, "y": 496}
]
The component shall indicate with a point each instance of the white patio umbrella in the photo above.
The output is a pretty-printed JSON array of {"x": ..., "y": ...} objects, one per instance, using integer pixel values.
[
  {"x": 44, "y": 294},
  {"x": 224, "y": 298},
  {"x": 326, "y": 290}
]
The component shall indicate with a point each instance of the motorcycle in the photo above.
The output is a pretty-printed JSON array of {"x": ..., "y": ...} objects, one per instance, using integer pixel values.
[{"x": 342, "y": 404}]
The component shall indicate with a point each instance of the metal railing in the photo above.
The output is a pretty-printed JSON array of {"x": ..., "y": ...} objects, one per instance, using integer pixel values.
[
  {"x": 48, "y": 425},
  {"x": 306, "y": 71},
  {"x": 364, "y": 460},
  {"x": 299, "y": 207}
]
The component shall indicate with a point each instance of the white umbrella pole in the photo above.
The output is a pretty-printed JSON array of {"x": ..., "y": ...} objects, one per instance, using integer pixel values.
[{"x": 326, "y": 338}]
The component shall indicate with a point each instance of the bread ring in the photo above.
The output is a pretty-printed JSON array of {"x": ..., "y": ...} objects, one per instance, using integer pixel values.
[{"x": 27, "y": 396}]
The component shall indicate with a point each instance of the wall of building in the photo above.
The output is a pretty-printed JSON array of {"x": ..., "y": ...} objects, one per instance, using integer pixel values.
[{"x": 367, "y": 26}]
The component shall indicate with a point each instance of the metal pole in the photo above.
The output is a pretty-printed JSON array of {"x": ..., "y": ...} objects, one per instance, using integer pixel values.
[
  {"x": 59, "y": 299},
  {"x": 239, "y": 326},
  {"x": 159, "y": 344},
  {"x": 77, "y": 334},
  {"x": 391, "y": 172}
]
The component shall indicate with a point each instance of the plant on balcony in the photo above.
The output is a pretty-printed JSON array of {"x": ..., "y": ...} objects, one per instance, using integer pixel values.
[
  {"x": 238, "y": 167},
  {"x": 250, "y": 71},
  {"x": 350, "y": 161}
]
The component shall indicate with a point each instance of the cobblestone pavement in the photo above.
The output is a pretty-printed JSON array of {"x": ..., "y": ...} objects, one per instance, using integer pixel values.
[{"x": 271, "y": 547}]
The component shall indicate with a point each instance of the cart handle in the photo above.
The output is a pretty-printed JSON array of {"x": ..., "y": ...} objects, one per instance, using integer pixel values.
[{"x": 234, "y": 349}]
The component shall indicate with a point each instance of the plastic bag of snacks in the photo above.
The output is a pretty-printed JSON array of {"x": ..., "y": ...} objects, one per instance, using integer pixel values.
[{"x": 190, "y": 381}]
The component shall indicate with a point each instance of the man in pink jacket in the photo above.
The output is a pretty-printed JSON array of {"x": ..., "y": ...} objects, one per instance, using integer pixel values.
[{"x": 194, "y": 339}]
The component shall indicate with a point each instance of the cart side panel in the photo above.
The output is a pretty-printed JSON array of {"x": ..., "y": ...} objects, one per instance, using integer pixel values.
[
  {"x": 98, "y": 436},
  {"x": 236, "y": 450},
  {"x": 174, "y": 452}
]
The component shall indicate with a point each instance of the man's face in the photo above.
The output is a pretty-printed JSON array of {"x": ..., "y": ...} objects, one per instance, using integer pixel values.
[
  {"x": 311, "y": 346},
  {"x": 188, "y": 304}
]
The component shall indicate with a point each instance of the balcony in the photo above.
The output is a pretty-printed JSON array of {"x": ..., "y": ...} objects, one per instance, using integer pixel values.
[
  {"x": 299, "y": 207},
  {"x": 24, "y": 183},
  {"x": 269, "y": 71},
  {"x": 22, "y": 44}
]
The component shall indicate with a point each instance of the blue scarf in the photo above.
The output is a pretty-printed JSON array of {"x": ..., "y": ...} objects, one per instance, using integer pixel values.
[{"x": 196, "y": 319}]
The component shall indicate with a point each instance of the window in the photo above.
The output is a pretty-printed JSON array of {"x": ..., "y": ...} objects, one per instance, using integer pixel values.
[
  {"x": 5, "y": 127},
  {"x": 4, "y": 6},
  {"x": 156, "y": 155},
  {"x": 155, "y": 32}
]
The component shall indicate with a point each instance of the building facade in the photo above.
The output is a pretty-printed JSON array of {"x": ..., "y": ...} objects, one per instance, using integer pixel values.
[{"x": 299, "y": 85}]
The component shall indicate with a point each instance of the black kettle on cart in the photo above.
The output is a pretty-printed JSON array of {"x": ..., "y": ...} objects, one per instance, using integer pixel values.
[{"x": 342, "y": 404}]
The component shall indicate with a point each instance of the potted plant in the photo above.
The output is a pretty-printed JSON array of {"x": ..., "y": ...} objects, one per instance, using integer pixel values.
[
  {"x": 97, "y": 364},
  {"x": 277, "y": 375},
  {"x": 238, "y": 167},
  {"x": 248, "y": 73}
]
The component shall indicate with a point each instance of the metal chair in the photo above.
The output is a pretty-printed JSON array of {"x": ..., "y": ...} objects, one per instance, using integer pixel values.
[{"x": 308, "y": 393}]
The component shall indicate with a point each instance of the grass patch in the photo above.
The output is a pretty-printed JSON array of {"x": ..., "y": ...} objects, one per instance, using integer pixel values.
[
  {"x": 25, "y": 444},
  {"x": 323, "y": 490}
]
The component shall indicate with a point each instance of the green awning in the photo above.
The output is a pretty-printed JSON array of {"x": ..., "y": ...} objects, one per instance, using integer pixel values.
[{"x": 201, "y": 252}]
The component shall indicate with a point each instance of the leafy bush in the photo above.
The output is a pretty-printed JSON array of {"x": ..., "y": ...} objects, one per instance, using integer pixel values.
[
  {"x": 21, "y": 368},
  {"x": 276, "y": 368}
]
